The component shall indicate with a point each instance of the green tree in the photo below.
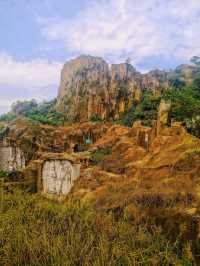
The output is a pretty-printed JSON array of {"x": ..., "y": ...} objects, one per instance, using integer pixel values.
[{"x": 146, "y": 110}]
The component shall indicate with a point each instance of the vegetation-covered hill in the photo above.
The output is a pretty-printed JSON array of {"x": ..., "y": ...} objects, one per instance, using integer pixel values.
[
  {"x": 136, "y": 96},
  {"x": 137, "y": 197}
]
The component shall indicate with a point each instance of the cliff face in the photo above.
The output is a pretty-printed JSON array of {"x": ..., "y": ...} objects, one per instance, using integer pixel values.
[
  {"x": 84, "y": 83},
  {"x": 91, "y": 89}
]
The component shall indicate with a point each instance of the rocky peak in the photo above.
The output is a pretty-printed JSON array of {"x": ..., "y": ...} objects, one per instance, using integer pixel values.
[{"x": 89, "y": 89}]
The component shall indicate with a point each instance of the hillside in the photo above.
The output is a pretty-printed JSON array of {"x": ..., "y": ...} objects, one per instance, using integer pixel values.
[{"x": 109, "y": 172}]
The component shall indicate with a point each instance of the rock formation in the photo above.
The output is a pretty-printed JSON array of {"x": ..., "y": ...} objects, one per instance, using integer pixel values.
[
  {"x": 11, "y": 158},
  {"x": 163, "y": 115},
  {"x": 90, "y": 89},
  {"x": 58, "y": 176}
]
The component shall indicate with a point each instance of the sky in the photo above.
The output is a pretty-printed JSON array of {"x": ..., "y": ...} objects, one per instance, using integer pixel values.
[{"x": 38, "y": 36}]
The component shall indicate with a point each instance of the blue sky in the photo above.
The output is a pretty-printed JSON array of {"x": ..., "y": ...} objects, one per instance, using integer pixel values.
[{"x": 38, "y": 36}]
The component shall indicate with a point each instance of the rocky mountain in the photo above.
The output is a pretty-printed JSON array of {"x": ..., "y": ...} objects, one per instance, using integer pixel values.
[
  {"x": 92, "y": 89},
  {"x": 148, "y": 176}
]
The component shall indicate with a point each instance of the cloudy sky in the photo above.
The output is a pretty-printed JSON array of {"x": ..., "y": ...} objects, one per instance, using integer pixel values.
[{"x": 38, "y": 36}]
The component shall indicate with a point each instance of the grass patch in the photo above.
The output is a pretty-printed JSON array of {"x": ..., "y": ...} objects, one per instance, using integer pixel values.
[
  {"x": 100, "y": 155},
  {"x": 35, "y": 231}
]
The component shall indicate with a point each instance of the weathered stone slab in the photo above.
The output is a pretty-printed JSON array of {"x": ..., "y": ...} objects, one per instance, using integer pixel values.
[
  {"x": 11, "y": 159},
  {"x": 58, "y": 176}
]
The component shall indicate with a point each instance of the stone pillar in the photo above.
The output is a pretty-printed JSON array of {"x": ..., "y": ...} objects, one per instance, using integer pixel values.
[{"x": 163, "y": 119}]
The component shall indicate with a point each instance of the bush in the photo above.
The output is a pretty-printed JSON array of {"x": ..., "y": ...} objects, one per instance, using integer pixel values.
[
  {"x": 95, "y": 118},
  {"x": 3, "y": 174},
  {"x": 51, "y": 118},
  {"x": 44, "y": 112},
  {"x": 7, "y": 117},
  {"x": 22, "y": 107},
  {"x": 146, "y": 110},
  {"x": 186, "y": 106},
  {"x": 100, "y": 155}
]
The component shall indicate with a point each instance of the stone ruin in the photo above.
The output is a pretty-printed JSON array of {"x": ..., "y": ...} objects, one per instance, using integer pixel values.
[
  {"x": 54, "y": 174},
  {"x": 164, "y": 118},
  {"x": 12, "y": 157},
  {"x": 49, "y": 167},
  {"x": 58, "y": 176},
  {"x": 146, "y": 135}
]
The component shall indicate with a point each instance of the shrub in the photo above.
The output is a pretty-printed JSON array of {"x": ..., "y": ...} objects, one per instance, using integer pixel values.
[
  {"x": 3, "y": 174},
  {"x": 95, "y": 118},
  {"x": 51, "y": 118},
  {"x": 44, "y": 112},
  {"x": 146, "y": 110},
  {"x": 7, "y": 117},
  {"x": 186, "y": 107},
  {"x": 100, "y": 155}
]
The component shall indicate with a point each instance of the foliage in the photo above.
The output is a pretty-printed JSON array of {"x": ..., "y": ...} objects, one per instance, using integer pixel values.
[
  {"x": 7, "y": 117},
  {"x": 186, "y": 106},
  {"x": 51, "y": 118},
  {"x": 44, "y": 112},
  {"x": 146, "y": 110},
  {"x": 95, "y": 118},
  {"x": 22, "y": 107},
  {"x": 35, "y": 231},
  {"x": 100, "y": 155},
  {"x": 3, "y": 129},
  {"x": 176, "y": 82},
  {"x": 3, "y": 174}
]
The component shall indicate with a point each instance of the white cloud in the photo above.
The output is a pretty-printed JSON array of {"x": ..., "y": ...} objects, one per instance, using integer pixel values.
[
  {"x": 28, "y": 74},
  {"x": 37, "y": 79},
  {"x": 138, "y": 29}
]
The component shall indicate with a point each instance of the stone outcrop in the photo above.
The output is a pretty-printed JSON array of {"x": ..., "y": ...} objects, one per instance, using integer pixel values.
[
  {"x": 163, "y": 119},
  {"x": 32, "y": 141},
  {"x": 11, "y": 159},
  {"x": 82, "y": 81},
  {"x": 90, "y": 89},
  {"x": 146, "y": 135}
]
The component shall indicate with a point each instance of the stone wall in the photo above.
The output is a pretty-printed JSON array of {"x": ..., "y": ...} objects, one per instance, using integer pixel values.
[
  {"x": 58, "y": 176},
  {"x": 11, "y": 159}
]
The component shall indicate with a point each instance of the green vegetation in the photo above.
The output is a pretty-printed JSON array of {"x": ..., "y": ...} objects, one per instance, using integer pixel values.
[
  {"x": 100, "y": 155},
  {"x": 23, "y": 107},
  {"x": 35, "y": 231},
  {"x": 44, "y": 112},
  {"x": 186, "y": 106},
  {"x": 3, "y": 174},
  {"x": 7, "y": 117},
  {"x": 51, "y": 118},
  {"x": 146, "y": 110},
  {"x": 96, "y": 118},
  {"x": 185, "y": 102}
]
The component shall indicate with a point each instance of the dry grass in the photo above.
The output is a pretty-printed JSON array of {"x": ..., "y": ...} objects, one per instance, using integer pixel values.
[{"x": 34, "y": 231}]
